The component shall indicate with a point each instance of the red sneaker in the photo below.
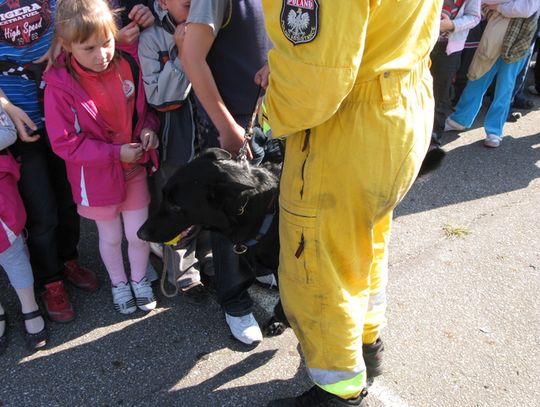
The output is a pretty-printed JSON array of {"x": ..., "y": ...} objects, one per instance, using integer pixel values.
[
  {"x": 56, "y": 302},
  {"x": 80, "y": 276}
]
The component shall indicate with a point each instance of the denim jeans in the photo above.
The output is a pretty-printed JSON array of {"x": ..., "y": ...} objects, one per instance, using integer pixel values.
[
  {"x": 233, "y": 276},
  {"x": 470, "y": 101},
  {"x": 53, "y": 223}
]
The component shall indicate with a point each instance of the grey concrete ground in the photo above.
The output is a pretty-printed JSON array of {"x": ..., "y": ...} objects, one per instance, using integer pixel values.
[{"x": 464, "y": 320}]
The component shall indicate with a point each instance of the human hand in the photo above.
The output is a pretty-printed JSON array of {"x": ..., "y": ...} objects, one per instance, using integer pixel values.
[
  {"x": 129, "y": 34},
  {"x": 232, "y": 140},
  {"x": 22, "y": 122},
  {"x": 130, "y": 153},
  {"x": 141, "y": 15},
  {"x": 50, "y": 56},
  {"x": 179, "y": 35},
  {"x": 262, "y": 75},
  {"x": 489, "y": 7},
  {"x": 446, "y": 24},
  {"x": 149, "y": 139}
]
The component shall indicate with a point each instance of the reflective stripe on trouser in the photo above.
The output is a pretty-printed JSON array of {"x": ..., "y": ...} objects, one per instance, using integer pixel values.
[{"x": 340, "y": 182}]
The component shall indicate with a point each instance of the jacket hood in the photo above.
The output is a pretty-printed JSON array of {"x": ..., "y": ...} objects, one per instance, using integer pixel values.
[{"x": 164, "y": 19}]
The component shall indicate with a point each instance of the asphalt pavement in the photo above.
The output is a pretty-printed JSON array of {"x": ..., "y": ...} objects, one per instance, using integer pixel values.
[{"x": 463, "y": 310}]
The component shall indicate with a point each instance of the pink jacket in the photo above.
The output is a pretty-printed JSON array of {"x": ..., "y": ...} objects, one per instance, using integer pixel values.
[
  {"x": 78, "y": 134},
  {"x": 12, "y": 213}
]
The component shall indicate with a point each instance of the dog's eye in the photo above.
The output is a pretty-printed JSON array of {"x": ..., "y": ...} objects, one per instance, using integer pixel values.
[{"x": 175, "y": 208}]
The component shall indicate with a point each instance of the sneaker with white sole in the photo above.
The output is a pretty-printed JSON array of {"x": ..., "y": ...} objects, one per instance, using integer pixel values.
[
  {"x": 452, "y": 125},
  {"x": 268, "y": 280},
  {"x": 492, "y": 141},
  {"x": 144, "y": 294},
  {"x": 244, "y": 328},
  {"x": 123, "y": 299}
]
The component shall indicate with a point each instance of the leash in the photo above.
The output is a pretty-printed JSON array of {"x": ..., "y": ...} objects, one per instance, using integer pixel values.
[{"x": 248, "y": 133}]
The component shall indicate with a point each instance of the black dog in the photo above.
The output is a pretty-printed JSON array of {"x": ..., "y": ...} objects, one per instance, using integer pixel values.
[{"x": 238, "y": 200}]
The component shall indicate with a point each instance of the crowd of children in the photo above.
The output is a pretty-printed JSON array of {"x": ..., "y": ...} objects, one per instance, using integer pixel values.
[{"x": 118, "y": 110}]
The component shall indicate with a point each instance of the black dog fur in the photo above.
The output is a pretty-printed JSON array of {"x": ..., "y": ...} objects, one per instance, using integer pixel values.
[
  {"x": 227, "y": 196},
  {"x": 232, "y": 198}
]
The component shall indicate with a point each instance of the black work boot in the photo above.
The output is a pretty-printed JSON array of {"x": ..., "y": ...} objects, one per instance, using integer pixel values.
[
  {"x": 317, "y": 397},
  {"x": 373, "y": 358}
]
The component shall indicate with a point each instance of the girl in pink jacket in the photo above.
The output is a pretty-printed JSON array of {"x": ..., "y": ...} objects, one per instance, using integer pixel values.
[
  {"x": 13, "y": 252},
  {"x": 97, "y": 119}
]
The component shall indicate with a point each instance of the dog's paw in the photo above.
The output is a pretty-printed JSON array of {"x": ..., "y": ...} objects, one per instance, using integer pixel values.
[{"x": 274, "y": 327}]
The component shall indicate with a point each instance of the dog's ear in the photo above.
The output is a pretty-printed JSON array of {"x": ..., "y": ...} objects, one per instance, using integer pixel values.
[{"x": 216, "y": 154}]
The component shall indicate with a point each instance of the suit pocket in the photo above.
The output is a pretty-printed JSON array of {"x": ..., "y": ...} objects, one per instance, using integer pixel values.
[{"x": 299, "y": 247}]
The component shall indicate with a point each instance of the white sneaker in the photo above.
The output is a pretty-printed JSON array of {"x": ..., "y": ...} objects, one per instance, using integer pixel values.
[
  {"x": 244, "y": 328},
  {"x": 123, "y": 299},
  {"x": 492, "y": 141},
  {"x": 144, "y": 295},
  {"x": 269, "y": 280},
  {"x": 157, "y": 249},
  {"x": 452, "y": 125}
]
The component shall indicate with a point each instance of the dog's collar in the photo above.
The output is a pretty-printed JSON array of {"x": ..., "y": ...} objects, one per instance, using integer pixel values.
[
  {"x": 263, "y": 230},
  {"x": 241, "y": 248}
]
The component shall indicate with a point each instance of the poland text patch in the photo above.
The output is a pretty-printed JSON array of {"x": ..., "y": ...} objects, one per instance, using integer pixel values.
[{"x": 300, "y": 20}]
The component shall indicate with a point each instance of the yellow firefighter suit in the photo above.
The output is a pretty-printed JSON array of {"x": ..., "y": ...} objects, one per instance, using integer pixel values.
[{"x": 351, "y": 89}]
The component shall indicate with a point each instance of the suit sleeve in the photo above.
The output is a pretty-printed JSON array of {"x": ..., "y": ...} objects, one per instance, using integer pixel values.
[
  {"x": 67, "y": 142},
  {"x": 309, "y": 81}
]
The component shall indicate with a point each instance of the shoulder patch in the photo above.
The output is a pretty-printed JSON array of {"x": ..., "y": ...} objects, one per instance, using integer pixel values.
[{"x": 300, "y": 20}]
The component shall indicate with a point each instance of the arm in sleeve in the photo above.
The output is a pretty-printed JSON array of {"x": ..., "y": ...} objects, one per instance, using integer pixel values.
[
  {"x": 73, "y": 146},
  {"x": 309, "y": 81},
  {"x": 8, "y": 134},
  {"x": 519, "y": 9},
  {"x": 166, "y": 83},
  {"x": 470, "y": 18}
]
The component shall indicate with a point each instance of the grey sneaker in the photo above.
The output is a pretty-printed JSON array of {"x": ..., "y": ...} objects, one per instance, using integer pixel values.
[
  {"x": 244, "y": 328},
  {"x": 144, "y": 295},
  {"x": 452, "y": 125},
  {"x": 123, "y": 299},
  {"x": 492, "y": 141}
]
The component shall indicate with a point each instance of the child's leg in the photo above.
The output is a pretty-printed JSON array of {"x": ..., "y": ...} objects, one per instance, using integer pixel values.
[
  {"x": 2, "y": 323},
  {"x": 138, "y": 250},
  {"x": 17, "y": 265},
  {"x": 110, "y": 248}
]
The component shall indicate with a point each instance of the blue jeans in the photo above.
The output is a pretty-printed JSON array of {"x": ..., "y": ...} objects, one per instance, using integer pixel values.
[{"x": 470, "y": 101}]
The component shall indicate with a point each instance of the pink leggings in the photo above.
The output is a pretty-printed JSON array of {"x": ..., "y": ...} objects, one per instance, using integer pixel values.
[{"x": 110, "y": 246}]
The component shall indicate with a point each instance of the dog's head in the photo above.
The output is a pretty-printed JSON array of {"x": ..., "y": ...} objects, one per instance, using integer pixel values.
[{"x": 208, "y": 191}]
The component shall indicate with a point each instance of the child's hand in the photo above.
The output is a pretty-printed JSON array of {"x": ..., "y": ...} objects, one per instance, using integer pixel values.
[
  {"x": 141, "y": 15},
  {"x": 149, "y": 139},
  {"x": 51, "y": 55},
  {"x": 446, "y": 24},
  {"x": 129, "y": 34},
  {"x": 22, "y": 122},
  {"x": 179, "y": 35},
  {"x": 130, "y": 153}
]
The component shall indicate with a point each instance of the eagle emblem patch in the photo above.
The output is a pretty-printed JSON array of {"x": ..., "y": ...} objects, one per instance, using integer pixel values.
[{"x": 300, "y": 20}]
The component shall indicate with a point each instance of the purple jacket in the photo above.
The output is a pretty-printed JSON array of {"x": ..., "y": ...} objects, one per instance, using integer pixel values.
[
  {"x": 78, "y": 134},
  {"x": 12, "y": 213}
]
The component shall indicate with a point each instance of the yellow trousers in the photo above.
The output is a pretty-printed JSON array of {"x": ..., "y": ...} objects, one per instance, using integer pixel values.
[{"x": 340, "y": 183}]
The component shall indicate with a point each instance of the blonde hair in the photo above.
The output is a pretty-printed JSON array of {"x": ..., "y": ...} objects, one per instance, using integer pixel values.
[{"x": 78, "y": 20}]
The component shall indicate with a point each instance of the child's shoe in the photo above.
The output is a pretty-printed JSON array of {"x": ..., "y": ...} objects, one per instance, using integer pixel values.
[
  {"x": 123, "y": 299},
  {"x": 492, "y": 141},
  {"x": 80, "y": 276},
  {"x": 144, "y": 295},
  {"x": 452, "y": 125},
  {"x": 56, "y": 302},
  {"x": 38, "y": 340}
]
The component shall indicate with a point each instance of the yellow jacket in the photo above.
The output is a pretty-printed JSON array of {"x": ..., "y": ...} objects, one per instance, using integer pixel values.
[{"x": 335, "y": 59}]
